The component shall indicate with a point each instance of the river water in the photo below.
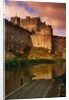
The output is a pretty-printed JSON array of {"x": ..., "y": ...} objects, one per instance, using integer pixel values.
[{"x": 42, "y": 71}]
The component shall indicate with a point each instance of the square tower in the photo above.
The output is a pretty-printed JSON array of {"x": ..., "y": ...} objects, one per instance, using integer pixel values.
[{"x": 15, "y": 20}]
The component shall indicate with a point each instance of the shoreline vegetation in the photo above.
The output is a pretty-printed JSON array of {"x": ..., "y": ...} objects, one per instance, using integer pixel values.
[{"x": 22, "y": 63}]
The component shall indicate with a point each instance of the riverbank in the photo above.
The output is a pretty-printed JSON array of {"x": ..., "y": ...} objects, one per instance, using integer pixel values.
[{"x": 18, "y": 63}]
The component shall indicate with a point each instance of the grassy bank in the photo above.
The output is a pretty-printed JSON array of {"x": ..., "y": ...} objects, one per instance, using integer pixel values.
[{"x": 15, "y": 63}]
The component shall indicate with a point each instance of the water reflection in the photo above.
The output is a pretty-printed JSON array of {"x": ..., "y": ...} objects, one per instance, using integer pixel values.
[{"x": 43, "y": 71}]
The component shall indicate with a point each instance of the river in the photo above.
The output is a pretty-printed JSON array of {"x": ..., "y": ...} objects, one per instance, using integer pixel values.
[{"x": 42, "y": 71}]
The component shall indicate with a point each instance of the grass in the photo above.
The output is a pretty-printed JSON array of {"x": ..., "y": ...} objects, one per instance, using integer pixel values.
[{"x": 16, "y": 63}]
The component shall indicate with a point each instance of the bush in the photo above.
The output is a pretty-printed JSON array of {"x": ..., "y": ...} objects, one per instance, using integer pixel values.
[{"x": 15, "y": 63}]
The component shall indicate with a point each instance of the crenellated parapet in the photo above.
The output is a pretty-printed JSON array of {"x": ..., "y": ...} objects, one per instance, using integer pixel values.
[{"x": 31, "y": 24}]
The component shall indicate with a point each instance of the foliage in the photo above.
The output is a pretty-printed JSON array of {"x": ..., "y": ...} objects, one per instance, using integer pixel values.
[{"x": 16, "y": 63}]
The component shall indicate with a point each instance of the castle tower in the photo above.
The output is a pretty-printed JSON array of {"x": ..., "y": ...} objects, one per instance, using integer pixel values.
[{"x": 15, "y": 20}]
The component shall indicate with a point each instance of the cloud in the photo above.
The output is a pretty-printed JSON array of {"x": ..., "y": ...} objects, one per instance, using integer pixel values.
[
  {"x": 52, "y": 13},
  {"x": 11, "y": 8},
  {"x": 59, "y": 32}
]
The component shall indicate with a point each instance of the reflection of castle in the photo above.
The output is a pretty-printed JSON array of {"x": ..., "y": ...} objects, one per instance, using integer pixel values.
[{"x": 41, "y": 34}]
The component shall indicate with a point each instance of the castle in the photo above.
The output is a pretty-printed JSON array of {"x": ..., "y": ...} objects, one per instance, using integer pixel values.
[
  {"x": 35, "y": 33},
  {"x": 41, "y": 33}
]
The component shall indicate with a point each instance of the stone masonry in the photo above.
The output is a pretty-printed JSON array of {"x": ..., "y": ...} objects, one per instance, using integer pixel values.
[{"x": 33, "y": 32}]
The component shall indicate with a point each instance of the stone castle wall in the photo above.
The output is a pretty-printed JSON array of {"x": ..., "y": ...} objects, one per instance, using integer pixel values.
[
  {"x": 59, "y": 46},
  {"x": 42, "y": 41},
  {"x": 42, "y": 36},
  {"x": 16, "y": 38},
  {"x": 32, "y": 32}
]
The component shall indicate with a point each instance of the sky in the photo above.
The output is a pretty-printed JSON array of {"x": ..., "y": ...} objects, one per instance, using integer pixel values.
[{"x": 52, "y": 13}]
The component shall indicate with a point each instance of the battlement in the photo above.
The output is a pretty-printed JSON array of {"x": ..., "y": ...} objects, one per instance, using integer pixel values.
[
  {"x": 34, "y": 18},
  {"x": 33, "y": 25},
  {"x": 46, "y": 27},
  {"x": 28, "y": 20}
]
